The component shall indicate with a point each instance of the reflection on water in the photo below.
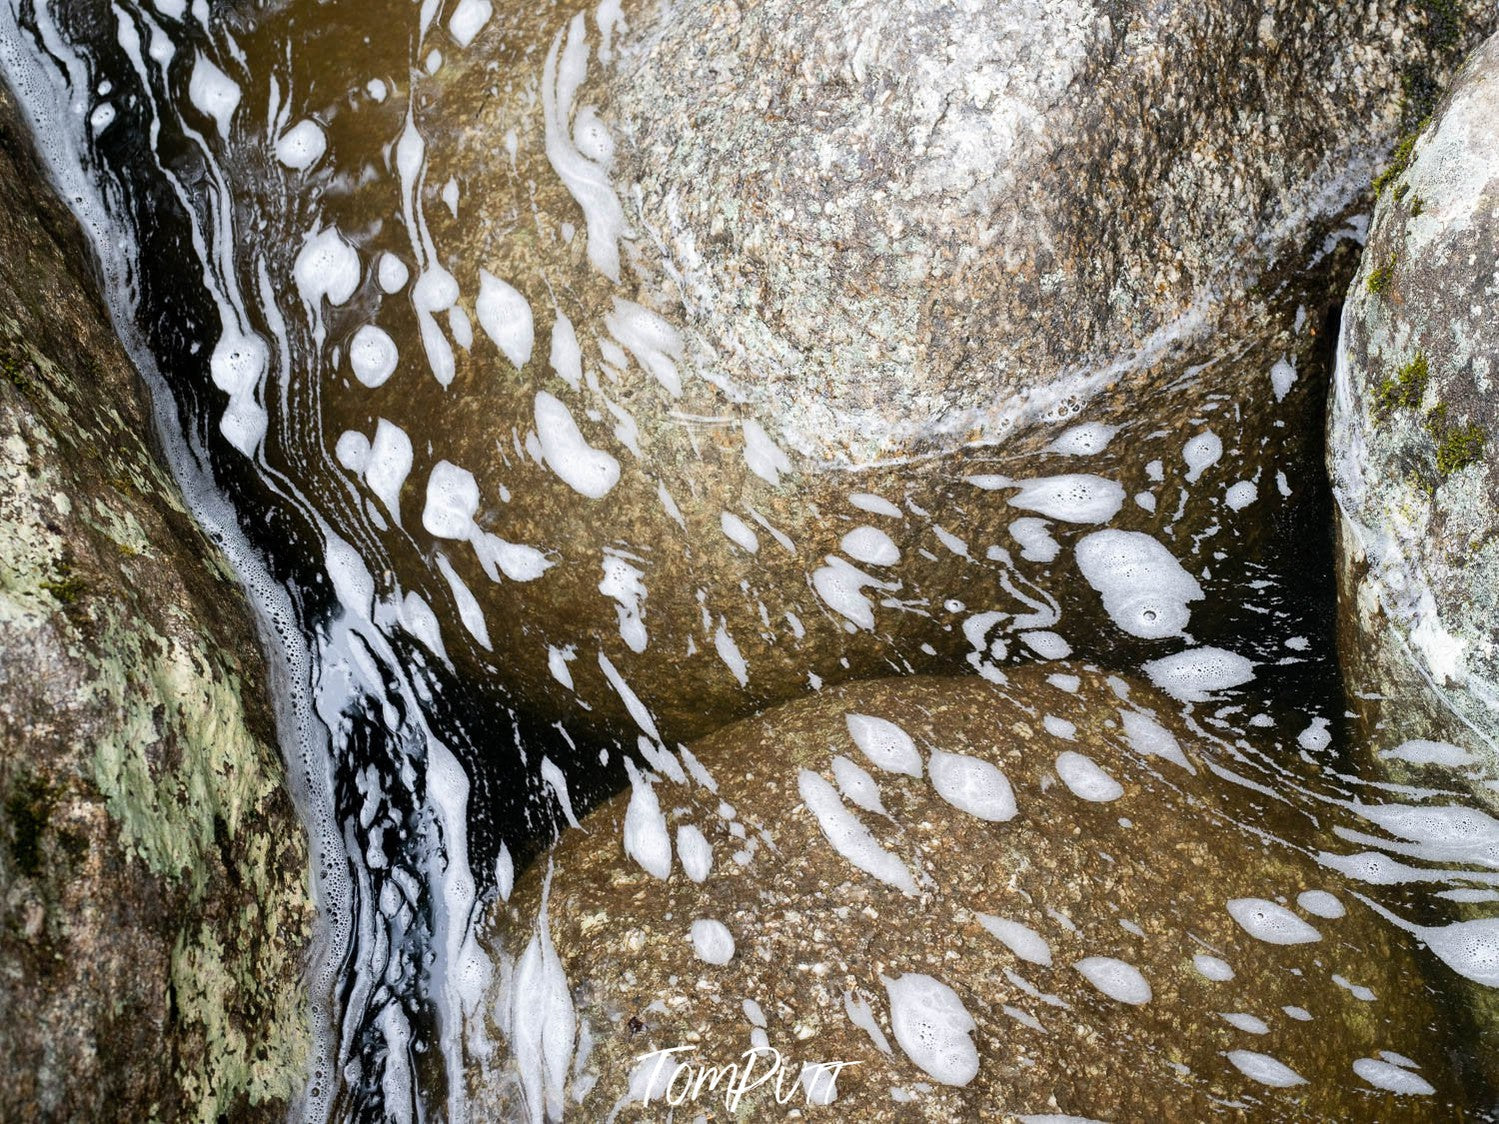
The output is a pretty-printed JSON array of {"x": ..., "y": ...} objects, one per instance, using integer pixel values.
[{"x": 547, "y": 454}]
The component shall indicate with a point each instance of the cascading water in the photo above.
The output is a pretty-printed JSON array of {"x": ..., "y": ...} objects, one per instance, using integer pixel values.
[{"x": 300, "y": 210}]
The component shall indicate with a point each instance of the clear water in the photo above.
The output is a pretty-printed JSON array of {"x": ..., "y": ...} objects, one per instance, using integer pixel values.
[{"x": 266, "y": 184}]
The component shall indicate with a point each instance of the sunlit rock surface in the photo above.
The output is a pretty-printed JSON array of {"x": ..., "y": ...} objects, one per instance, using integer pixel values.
[
  {"x": 1120, "y": 929},
  {"x": 153, "y": 874},
  {"x": 671, "y": 288},
  {"x": 1413, "y": 441}
]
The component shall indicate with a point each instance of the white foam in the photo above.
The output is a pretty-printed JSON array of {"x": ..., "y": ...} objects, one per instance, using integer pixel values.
[
  {"x": 1316, "y": 736},
  {"x": 557, "y": 781},
  {"x": 1274, "y": 924},
  {"x": 566, "y": 356},
  {"x": 505, "y": 316},
  {"x": 214, "y": 93},
  {"x": 646, "y": 839},
  {"x": 862, "y": 1016},
  {"x": 1047, "y": 645},
  {"x": 1249, "y": 1024},
  {"x": 1149, "y": 738},
  {"x": 1073, "y": 498},
  {"x": 933, "y": 1028},
  {"x": 372, "y": 355},
  {"x": 588, "y": 471},
  {"x": 1193, "y": 675},
  {"x": 542, "y": 1024},
  {"x": 654, "y": 343},
  {"x": 1264, "y": 1069},
  {"x": 517, "y": 561},
  {"x": 1036, "y": 543},
  {"x": 1086, "y": 779},
  {"x": 819, "y": 1080},
  {"x": 621, "y": 582},
  {"x": 1392, "y": 1078},
  {"x": 1201, "y": 453},
  {"x": 1020, "y": 939},
  {"x": 327, "y": 268},
  {"x": 1441, "y": 832},
  {"x": 387, "y": 465},
  {"x": 1421, "y": 752},
  {"x": 1116, "y": 979},
  {"x": 586, "y": 180},
  {"x": 875, "y": 505},
  {"x": 1319, "y": 903},
  {"x": 1469, "y": 948},
  {"x": 504, "y": 873},
  {"x": 971, "y": 785},
  {"x": 633, "y": 705},
  {"x": 392, "y": 274},
  {"x": 857, "y": 785},
  {"x": 695, "y": 852},
  {"x": 728, "y": 652},
  {"x": 712, "y": 942},
  {"x": 871, "y": 546},
  {"x": 737, "y": 531},
  {"x": 849, "y": 837},
  {"x": 467, "y": 604},
  {"x": 1084, "y": 440},
  {"x": 418, "y": 619},
  {"x": 1144, "y": 588},
  {"x": 1213, "y": 968},
  {"x": 765, "y": 458},
  {"x": 1282, "y": 378},
  {"x": 838, "y": 584},
  {"x": 452, "y": 501},
  {"x": 302, "y": 146},
  {"x": 1240, "y": 495},
  {"x": 468, "y": 19},
  {"x": 884, "y": 743}
]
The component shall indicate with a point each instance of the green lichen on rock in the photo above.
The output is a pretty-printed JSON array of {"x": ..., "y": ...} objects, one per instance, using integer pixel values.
[
  {"x": 154, "y": 894},
  {"x": 1409, "y": 456},
  {"x": 1400, "y": 160},
  {"x": 1381, "y": 276},
  {"x": 1403, "y": 390},
  {"x": 1459, "y": 447}
]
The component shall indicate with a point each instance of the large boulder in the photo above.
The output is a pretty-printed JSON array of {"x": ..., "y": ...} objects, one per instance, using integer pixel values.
[
  {"x": 1052, "y": 896},
  {"x": 714, "y": 343},
  {"x": 1414, "y": 437},
  {"x": 154, "y": 894}
]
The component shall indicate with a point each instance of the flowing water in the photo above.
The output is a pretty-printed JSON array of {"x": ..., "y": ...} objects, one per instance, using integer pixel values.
[{"x": 402, "y": 398}]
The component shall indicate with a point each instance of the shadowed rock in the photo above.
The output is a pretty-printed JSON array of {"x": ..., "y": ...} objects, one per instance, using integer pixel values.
[
  {"x": 153, "y": 874},
  {"x": 1413, "y": 444}
]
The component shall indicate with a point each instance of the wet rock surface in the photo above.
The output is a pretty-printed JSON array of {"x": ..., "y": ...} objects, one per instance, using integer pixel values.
[
  {"x": 154, "y": 902},
  {"x": 687, "y": 283},
  {"x": 1413, "y": 433},
  {"x": 1119, "y": 931}
]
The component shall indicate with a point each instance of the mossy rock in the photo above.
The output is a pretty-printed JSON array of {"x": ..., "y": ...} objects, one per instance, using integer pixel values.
[{"x": 1411, "y": 452}]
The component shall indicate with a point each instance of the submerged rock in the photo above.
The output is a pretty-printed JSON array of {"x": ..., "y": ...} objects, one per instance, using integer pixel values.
[
  {"x": 716, "y": 345},
  {"x": 1053, "y": 896},
  {"x": 1414, "y": 433},
  {"x": 153, "y": 874}
]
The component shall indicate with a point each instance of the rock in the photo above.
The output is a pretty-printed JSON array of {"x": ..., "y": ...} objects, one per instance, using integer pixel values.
[
  {"x": 1413, "y": 437},
  {"x": 1116, "y": 923},
  {"x": 695, "y": 281},
  {"x": 153, "y": 874}
]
